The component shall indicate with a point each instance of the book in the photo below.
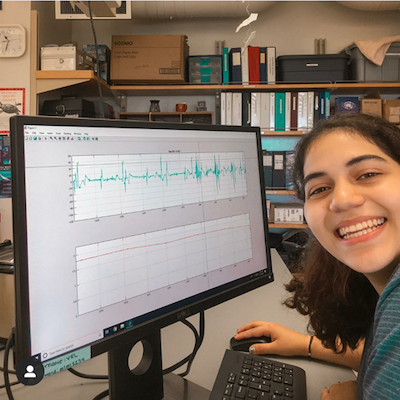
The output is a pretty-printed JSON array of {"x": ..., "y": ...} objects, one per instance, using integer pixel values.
[
  {"x": 271, "y": 65},
  {"x": 288, "y": 110},
  {"x": 228, "y": 119},
  {"x": 245, "y": 65},
  {"x": 223, "y": 108},
  {"x": 265, "y": 109},
  {"x": 255, "y": 119},
  {"x": 254, "y": 64},
  {"x": 237, "y": 108},
  {"x": 263, "y": 65},
  {"x": 279, "y": 111},
  {"x": 246, "y": 108},
  {"x": 225, "y": 65},
  {"x": 235, "y": 64},
  {"x": 293, "y": 116}
]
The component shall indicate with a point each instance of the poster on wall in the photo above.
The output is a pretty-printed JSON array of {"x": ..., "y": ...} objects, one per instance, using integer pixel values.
[
  {"x": 5, "y": 167},
  {"x": 12, "y": 102}
]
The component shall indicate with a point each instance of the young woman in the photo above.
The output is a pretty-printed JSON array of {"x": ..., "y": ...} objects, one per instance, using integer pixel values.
[{"x": 347, "y": 172}]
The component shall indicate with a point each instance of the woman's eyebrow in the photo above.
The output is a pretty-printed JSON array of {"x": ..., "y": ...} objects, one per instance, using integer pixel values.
[{"x": 353, "y": 161}]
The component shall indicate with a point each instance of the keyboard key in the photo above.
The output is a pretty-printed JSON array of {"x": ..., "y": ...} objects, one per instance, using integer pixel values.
[{"x": 240, "y": 392}]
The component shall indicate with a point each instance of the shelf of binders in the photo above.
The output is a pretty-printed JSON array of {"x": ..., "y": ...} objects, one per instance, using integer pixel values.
[{"x": 265, "y": 132}]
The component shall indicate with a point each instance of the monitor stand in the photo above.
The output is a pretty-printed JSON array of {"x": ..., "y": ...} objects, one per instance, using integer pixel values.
[{"x": 146, "y": 381}]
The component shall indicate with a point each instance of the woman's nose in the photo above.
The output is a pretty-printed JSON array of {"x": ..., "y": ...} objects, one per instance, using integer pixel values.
[{"x": 345, "y": 195}]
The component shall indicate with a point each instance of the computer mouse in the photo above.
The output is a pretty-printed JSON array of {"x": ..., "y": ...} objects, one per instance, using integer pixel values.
[{"x": 244, "y": 344}]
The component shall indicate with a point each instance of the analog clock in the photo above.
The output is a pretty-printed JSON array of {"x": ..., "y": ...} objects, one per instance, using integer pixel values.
[{"x": 12, "y": 40}]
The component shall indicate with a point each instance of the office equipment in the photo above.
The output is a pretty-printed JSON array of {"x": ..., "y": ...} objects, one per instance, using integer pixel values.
[
  {"x": 244, "y": 344},
  {"x": 155, "y": 222},
  {"x": 244, "y": 376}
]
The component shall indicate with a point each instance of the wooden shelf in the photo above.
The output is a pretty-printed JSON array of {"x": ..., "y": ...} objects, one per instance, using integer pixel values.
[
  {"x": 204, "y": 117},
  {"x": 280, "y": 192},
  {"x": 266, "y": 132},
  {"x": 287, "y": 226},
  {"x": 52, "y": 80}
]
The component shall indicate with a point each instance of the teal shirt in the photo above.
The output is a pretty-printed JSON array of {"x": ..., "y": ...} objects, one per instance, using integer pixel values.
[{"x": 379, "y": 373}]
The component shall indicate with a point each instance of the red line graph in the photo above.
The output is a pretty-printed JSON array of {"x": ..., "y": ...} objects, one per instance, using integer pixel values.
[{"x": 161, "y": 243}]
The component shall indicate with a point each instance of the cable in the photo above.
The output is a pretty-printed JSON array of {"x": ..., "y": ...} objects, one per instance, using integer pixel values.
[
  {"x": 86, "y": 376},
  {"x": 96, "y": 47},
  {"x": 7, "y": 383},
  {"x": 101, "y": 395},
  {"x": 11, "y": 384}
]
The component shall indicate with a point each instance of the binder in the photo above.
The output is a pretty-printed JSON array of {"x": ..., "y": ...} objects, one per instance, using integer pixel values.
[
  {"x": 310, "y": 110},
  {"x": 267, "y": 164},
  {"x": 289, "y": 161},
  {"x": 278, "y": 170},
  {"x": 279, "y": 111},
  {"x": 288, "y": 110},
  {"x": 237, "y": 109},
  {"x": 246, "y": 109},
  {"x": 228, "y": 119},
  {"x": 302, "y": 103},
  {"x": 223, "y": 108},
  {"x": 293, "y": 116},
  {"x": 263, "y": 65},
  {"x": 264, "y": 113},
  {"x": 271, "y": 65},
  {"x": 255, "y": 119},
  {"x": 272, "y": 111},
  {"x": 225, "y": 65},
  {"x": 321, "y": 105},
  {"x": 254, "y": 64},
  {"x": 327, "y": 105},
  {"x": 245, "y": 65},
  {"x": 235, "y": 64}
]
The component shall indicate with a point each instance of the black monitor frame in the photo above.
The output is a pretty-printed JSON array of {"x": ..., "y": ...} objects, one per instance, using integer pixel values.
[{"x": 153, "y": 321}]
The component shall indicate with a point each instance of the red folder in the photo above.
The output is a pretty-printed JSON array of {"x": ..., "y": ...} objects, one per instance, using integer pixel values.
[{"x": 254, "y": 64}]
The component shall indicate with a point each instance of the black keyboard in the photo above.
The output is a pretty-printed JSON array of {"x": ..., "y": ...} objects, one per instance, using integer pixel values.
[{"x": 243, "y": 376}]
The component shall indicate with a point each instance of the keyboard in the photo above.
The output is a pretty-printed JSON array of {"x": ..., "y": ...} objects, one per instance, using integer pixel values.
[{"x": 243, "y": 376}]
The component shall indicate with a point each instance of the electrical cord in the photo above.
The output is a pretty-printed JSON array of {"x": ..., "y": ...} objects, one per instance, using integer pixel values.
[
  {"x": 7, "y": 383},
  {"x": 96, "y": 47},
  {"x": 86, "y": 376}
]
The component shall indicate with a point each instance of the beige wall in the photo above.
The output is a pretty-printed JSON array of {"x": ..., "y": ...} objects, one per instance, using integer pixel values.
[{"x": 14, "y": 72}]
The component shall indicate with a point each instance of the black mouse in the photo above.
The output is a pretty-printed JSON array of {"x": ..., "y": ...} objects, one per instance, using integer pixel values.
[{"x": 244, "y": 344}]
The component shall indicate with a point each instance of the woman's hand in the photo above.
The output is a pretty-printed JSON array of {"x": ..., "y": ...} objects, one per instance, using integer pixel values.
[
  {"x": 340, "y": 391},
  {"x": 284, "y": 341}
]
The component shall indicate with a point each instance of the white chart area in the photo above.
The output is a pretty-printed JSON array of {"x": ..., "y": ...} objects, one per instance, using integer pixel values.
[
  {"x": 105, "y": 185},
  {"x": 114, "y": 271}
]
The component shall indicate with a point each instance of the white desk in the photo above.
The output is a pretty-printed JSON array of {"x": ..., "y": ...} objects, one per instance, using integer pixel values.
[{"x": 222, "y": 322}]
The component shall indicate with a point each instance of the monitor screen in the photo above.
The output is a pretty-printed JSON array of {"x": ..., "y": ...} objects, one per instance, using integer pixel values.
[{"x": 120, "y": 226}]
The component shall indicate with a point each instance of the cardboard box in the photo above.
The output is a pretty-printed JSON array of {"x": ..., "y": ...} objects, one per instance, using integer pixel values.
[
  {"x": 149, "y": 58},
  {"x": 391, "y": 110},
  {"x": 371, "y": 106}
]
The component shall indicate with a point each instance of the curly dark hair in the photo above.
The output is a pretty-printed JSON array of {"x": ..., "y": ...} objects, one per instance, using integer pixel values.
[{"x": 340, "y": 302}]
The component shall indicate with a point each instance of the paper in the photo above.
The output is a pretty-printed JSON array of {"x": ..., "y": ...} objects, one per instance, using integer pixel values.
[{"x": 253, "y": 17}]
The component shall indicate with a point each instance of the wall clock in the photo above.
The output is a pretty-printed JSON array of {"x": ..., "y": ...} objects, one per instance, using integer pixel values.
[{"x": 12, "y": 40}]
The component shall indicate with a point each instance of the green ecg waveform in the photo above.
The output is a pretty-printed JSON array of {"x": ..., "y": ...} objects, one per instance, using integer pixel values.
[{"x": 196, "y": 171}]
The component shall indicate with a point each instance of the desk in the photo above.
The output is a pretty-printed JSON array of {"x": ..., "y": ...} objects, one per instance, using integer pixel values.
[{"x": 222, "y": 321}]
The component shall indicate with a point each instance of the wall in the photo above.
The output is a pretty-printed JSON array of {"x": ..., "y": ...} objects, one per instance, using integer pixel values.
[
  {"x": 290, "y": 26},
  {"x": 14, "y": 72}
]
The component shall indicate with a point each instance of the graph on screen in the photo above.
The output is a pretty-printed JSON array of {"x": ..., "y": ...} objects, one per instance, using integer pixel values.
[
  {"x": 105, "y": 185},
  {"x": 116, "y": 270}
]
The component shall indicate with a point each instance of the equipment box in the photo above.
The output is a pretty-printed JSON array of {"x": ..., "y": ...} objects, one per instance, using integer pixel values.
[
  {"x": 364, "y": 70},
  {"x": 69, "y": 108},
  {"x": 313, "y": 68},
  {"x": 65, "y": 58},
  {"x": 149, "y": 58},
  {"x": 205, "y": 69}
]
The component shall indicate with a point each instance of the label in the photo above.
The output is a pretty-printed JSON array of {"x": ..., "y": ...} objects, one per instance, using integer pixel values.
[{"x": 59, "y": 364}]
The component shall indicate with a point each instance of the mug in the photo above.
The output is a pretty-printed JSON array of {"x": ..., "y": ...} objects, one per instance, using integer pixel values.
[{"x": 181, "y": 107}]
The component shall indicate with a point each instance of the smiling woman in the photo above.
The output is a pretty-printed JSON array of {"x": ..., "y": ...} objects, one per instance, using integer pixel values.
[{"x": 347, "y": 172}]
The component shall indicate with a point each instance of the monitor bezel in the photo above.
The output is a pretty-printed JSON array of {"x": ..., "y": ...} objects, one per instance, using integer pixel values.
[{"x": 178, "y": 310}]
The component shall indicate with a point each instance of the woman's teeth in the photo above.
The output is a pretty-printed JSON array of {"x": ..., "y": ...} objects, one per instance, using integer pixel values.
[{"x": 360, "y": 229}]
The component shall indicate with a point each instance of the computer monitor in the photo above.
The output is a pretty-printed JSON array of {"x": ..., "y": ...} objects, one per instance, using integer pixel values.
[{"x": 122, "y": 227}]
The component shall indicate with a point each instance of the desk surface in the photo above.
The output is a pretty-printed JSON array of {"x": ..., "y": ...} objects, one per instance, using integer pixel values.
[{"x": 222, "y": 321}]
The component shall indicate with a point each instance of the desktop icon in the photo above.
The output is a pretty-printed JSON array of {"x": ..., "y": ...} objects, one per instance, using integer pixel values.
[{"x": 30, "y": 371}]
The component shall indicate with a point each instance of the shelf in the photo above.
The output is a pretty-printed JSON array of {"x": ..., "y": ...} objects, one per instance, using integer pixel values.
[
  {"x": 265, "y": 132},
  {"x": 204, "y": 117},
  {"x": 280, "y": 192},
  {"x": 52, "y": 80},
  {"x": 287, "y": 226}
]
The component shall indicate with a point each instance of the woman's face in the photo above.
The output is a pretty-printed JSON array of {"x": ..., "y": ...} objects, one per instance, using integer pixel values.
[{"x": 352, "y": 191}]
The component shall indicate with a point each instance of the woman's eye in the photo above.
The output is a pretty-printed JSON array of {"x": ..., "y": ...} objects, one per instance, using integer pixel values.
[
  {"x": 317, "y": 191},
  {"x": 368, "y": 175}
]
